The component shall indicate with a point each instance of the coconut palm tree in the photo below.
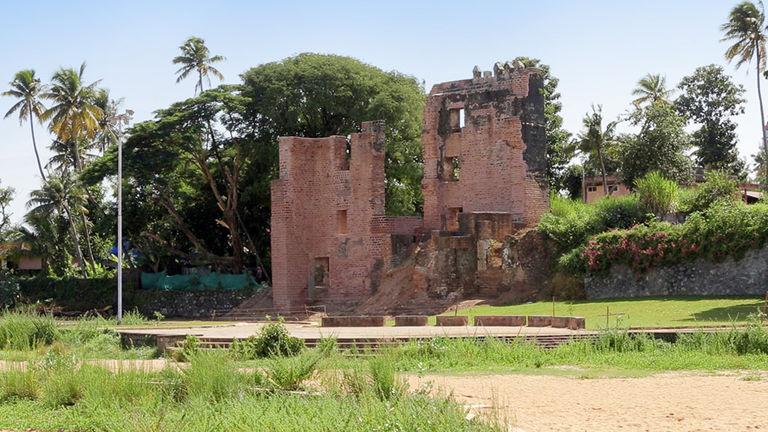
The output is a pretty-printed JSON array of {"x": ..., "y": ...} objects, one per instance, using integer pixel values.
[
  {"x": 594, "y": 139},
  {"x": 745, "y": 30},
  {"x": 195, "y": 57},
  {"x": 74, "y": 117},
  {"x": 112, "y": 123},
  {"x": 650, "y": 89},
  {"x": 55, "y": 199},
  {"x": 27, "y": 88}
]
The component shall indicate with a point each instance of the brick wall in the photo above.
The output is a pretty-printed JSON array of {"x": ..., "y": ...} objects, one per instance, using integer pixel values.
[
  {"x": 484, "y": 164},
  {"x": 328, "y": 214}
]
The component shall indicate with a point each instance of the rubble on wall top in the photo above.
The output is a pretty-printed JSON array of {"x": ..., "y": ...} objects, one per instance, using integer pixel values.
[{"x": 500, "y": 70}]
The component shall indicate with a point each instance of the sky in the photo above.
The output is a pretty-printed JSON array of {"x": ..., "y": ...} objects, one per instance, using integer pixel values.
[{"x": 598, "y": 49}]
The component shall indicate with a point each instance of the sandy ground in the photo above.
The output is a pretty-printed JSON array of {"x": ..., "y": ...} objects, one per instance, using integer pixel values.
[{"x": 665, "y": 402}]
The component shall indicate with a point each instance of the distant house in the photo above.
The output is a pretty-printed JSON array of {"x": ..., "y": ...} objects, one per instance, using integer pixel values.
[
  {"x": 593, "y": 190},
  {"x": 17, "y": 256}
]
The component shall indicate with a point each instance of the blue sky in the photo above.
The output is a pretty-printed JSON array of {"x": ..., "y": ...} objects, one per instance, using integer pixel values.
[{"x": 598, "y": 49}]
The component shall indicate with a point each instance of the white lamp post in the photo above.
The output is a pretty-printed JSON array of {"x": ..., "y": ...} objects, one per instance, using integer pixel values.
[{"x": 119, "y": 231}]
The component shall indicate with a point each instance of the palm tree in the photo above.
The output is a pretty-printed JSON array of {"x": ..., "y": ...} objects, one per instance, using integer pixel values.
[
  {"x": 594, "y": 139},
  {"x": 112, "y": 123},
  {"x": 745, "y": 29},
  {"x": 650, "y": 89},
  {"x": 26, "y": 87},
  {"x": 74, "y": 117},
  {"x": 57, "y": 196},
  {"x": 195, "y": 57}
]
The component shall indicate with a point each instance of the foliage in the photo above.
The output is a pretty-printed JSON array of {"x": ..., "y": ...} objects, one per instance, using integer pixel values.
[
  {"x": 595, "y": 140},
  {"x": 570, "y": 223},
  {"x": 656, "y": 193},
  {"x": 660, "y": 146},
  {"x": 195, "y": 57},
  {"x": 724, "y": 230},
  {"x": 273, "y": 340},
  {"x": 316, "y": 95},
  {"x": 6, "y": 197},
  {"x": 709, "y": 98},
  {"x": 717, "y": 187},
  {"x": 290, "y": 373},
  {"x": 651, "y": 89},
  {"x": 9, "y": 289}
]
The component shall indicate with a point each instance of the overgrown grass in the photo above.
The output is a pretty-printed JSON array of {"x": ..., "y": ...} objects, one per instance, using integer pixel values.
[
  {"x": 214, "y": 395},
  {"x": 737, "y": 349}
]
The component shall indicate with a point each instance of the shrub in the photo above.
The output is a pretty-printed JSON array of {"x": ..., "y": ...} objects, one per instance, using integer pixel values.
[
  {"x": 9, "y": 289},
  {"x": 289, "y": 373},
  {"x": 656, "y": 194},
  {"x": 385, "y": 384},
  {"x": 620, "y": 212},
  {"x": 19, "y": 384},
  {"x": 717, "y": 187},
  {"x": 26, "y": 330},
  {"x": 273, "y": 340},
  {"x": 569, "y": 223}
]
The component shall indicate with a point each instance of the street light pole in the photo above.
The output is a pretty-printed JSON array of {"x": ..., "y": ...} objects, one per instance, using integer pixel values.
[{"x": 119, "y": 231}]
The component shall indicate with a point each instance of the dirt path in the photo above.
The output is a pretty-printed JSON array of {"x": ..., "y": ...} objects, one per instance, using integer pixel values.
[{"x": 666, "y": 402}]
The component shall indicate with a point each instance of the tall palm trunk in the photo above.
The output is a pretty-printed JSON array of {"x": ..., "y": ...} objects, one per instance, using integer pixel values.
[
  {"x": 34, "y": 146},
  {"x": 602, "y": 169},
  {"x": 76, "y": 237},
  {"x": 762, "y": 114}
]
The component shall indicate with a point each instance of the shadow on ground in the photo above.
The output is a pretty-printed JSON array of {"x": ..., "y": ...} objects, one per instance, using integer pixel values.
[{"x": 729, "y": 313}]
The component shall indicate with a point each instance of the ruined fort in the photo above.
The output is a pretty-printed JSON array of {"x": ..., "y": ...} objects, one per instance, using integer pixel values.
[{"x": 484, "y": 150}]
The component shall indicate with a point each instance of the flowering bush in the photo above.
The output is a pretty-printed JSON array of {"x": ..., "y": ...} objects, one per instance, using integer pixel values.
[{"x": 725, "y": 230}]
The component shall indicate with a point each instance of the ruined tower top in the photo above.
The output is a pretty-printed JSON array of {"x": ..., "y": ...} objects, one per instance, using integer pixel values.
[{"x": 484, "y": 147}]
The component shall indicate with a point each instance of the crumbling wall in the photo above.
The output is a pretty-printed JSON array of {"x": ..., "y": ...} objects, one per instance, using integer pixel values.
[
  {"x": 484, "y": 148},
  {"x": 331, "y": 241}
]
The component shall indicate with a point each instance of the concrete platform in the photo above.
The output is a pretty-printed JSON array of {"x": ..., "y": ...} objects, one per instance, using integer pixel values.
[{"x": 309, "y": 331}]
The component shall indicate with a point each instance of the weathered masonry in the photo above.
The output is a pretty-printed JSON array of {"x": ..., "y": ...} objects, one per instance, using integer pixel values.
[
  {"x": 484, "y": 150},
  {"x": 331, "y": 241}
]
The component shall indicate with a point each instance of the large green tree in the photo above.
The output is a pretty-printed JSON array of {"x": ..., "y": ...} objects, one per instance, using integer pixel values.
[
  {"x": 709, "y": 98},
  {"x": 317, "y": 95},
  {"x": 745, "y": 31},
  {"x": 561, "y": 148},
  {"x": 659, "y": 146}
]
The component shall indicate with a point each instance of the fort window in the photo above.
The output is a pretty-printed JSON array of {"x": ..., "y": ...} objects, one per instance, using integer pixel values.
[
  {"x": 457, "y": 119},
  {"x": 454, "y": 168},
  {"x": 341, "y": 161},
  {"x": 321, "y": 272},
  {"x": 452, "y": 224},
  {"x": 613, "y": 188},
  {"x": 592, "y": 189},
  {"x": 341, "y": 221}
]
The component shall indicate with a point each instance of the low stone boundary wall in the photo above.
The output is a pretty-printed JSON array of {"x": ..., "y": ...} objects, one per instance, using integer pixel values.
[
  {"x": 701, "y": 277},
  {"x": 353, "y": 321},
  {"x": 500, "y": 320},
  {"x": 451, "y": 321},
  {"x": 539, "y": 321},
  {"x": 411, "y": 321}
]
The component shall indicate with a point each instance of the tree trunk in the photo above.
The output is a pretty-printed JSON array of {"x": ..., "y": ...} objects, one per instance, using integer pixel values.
[
  {"x": 762, "y": 115},
  {"x": 34, "y": 146},
  {"x": 76, "y": 237},
  {"x": 88, "y": 238},
  {"x": 602, "y": 169}
]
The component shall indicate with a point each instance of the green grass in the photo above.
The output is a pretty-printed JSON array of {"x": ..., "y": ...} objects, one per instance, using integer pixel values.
[
  {"x": 213, "y": 395},
  {"x": 646, "y": 312}
]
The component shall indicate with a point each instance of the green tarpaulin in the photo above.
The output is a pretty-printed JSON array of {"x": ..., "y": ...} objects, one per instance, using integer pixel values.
[{"x": 161, "y": 281}]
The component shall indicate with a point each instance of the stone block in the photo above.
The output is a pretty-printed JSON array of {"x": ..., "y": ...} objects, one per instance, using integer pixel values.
[
  {"x": 539, "y": 321},
  {"x": 410, "y": 321},
  {"x": 353, "y": 321},
  {"x": 451, "y": 321},
  {"x": 560, "y": 322},
  {"x": 577, "y": 323},
  {"x": 500, "y": 320}
]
